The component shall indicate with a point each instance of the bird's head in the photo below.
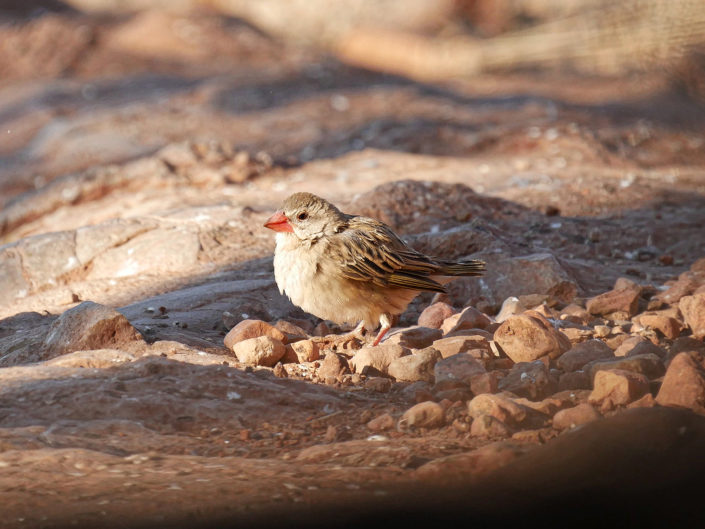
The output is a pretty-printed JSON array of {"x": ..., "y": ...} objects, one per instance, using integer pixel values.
[{"x": 307, "y": 216}]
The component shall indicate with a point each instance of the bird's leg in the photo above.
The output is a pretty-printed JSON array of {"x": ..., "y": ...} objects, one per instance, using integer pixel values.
[{"x": 386, "y": 324}]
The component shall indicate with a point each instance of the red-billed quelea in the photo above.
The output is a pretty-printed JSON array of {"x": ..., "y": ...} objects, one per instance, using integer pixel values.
[{"x": 351, "y": 269}]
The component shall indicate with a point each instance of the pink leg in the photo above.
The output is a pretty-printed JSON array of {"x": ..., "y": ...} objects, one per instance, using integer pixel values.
[{"x": 386, "y": 325}]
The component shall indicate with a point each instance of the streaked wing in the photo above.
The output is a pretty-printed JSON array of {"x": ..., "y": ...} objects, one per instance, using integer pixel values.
[{"x": 369, "y": 251}]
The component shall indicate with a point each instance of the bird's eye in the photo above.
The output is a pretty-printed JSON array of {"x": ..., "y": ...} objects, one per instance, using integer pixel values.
[{"x": 302, "y": 216}]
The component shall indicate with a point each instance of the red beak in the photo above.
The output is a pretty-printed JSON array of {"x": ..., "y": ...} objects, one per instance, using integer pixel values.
[{"x": 279, "y": 222}]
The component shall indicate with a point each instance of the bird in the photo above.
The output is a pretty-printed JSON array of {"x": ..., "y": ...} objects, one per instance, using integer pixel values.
[{"x": 351, "y": 268}]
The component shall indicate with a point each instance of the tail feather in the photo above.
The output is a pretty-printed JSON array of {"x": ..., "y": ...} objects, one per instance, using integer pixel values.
[{"x": 472, "y": 267}]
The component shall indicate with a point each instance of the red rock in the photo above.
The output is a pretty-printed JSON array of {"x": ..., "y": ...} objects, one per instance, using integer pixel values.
[
  {"x": 456, "y": 344},
  {"x": 468, "y": 318},
  {"x": 478, "y": 462},
  {"x": 247, "y": 329},
  {"x": 292, "y": 331},
  {"x": 260, "y": 351},
  {"x": 434, "y": 315},
  {"x": 580, "y": 354},
  {"x": 333, "y": 366},
  {"x": 529, "y": 336},
  {"x": 417, "y": 366},
  {"x": 664, "y": 321},
  {"x": 303, "y": 351},
  {"x": 647, "y": 401},
  {"x": 489, "y": 427},
  {"x": 89, "y": 326},
  {"x": 693, "y": 309},
  {"x": 617, "y": 387},
  {"x": 484, "y": 383},
  {"x": 698, "y": 266},
  {"x": 576, "y": 314},
  {"x": 622, "y": 300},
  {"x": 381, "y": 423},
  {"x": 498, "y": 406},
  {"x": 684, "y": 383},
  {"x": 686, "y": 284},
  {"x": 377, "y": 358},
  {"x": 427, "y": 414},
  {"x": 635, "y": 345},
  {"x": 572, "y": 417}
]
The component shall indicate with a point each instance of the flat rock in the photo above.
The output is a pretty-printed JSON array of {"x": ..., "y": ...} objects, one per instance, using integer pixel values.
[
  {"x": 647, "y": 364},
  {"x": 468, "y": 318},
  {"x": 461, "y": 366},
  {"x": 582, "y": 353},
  {"x": 620, "y": 300},
  {"x": 414, "y": 337},
  {"x": 498, "y": 406}
]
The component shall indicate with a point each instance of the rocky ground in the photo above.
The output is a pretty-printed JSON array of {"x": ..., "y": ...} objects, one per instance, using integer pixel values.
[{"x": 152, "y": 373}]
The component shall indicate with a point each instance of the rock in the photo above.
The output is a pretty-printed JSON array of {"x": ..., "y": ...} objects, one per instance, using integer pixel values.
[
  {"x": 378, "y": 384},
  {"x": 621, "y": 300},
  {"x": 376, "y": 360},
  {"x": 510, "y": 307},
  {"x": 292, "y": 331},
  {"x": 580, "y": 354},
  {"x": 647, "y": 401},
  {"x": 664, "y": 321},
  {"x": 498, "y": 406},
  {"x": 261, "y": 351},
  {"x": 686, "y": 284},
  {"x": 157, "y": 251},
  {"x": 686, "y": 344},
  {"x": 417, "y": 366},
  {"x": 684, "y": 383},
  {"x": 576, "y": 314},
  {"x": 635, "y": 345},
  {"x": 617, "y": 387},
  {"x": 530, "y": 380},
  {"x": 648, "y": 365},
  {"x": 461, "y": 366},
  {"x": 13, "y": 284},
  {"x": 529, "y": 336},
  {"x": 574, "y": 380},
  {"x": 427, "y": 414},
  {"x": 47, "y": 257},
  {"x": 434, "y": 315},
  {"x": 489, "y": 427},
  {"x": 303, "y": 351},
  {"x": 247, "y": 329},
  {"x": 478, "y": 462},
  {"x": 454, "y": 345},
  {"x": 485, "y": 383},
  {"x": 333, "y": 366},
  {"x": 414, "y": 337},
  {"x": 381, "y": 422},
  {"x": 572, "y": 417},
  {"x": 468, "y": 318},
  {"x": 89, "y": 326},
  {"x": 693, "y": 309},
  {"x": 99, "y": 358}
]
